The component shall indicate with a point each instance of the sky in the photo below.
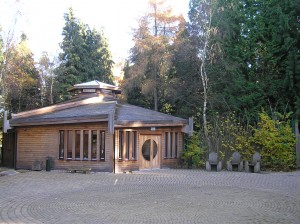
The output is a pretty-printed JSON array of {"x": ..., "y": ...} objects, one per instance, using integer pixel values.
[{"x": 42, "y": 21}]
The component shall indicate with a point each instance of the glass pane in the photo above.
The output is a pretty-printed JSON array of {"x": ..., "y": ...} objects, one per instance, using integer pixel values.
[
  {"x": 85, "y": 144},
  {"x": 70, "y": 144},
  {"x": 134, "y": 145},
  {"x": 171, "y": 144},
  {"x": 120, "y": 144},
  {"x": 127, "y": 144},
  {"x": 176, "y": 144},
  {"x": 77, "y": 144},
  {"x": 154, "y": 148},
  {"x": 102, "y": 145},
  {"x": 61, "y": 144},
  {"x": 166, "y": 144},
  {"x": 94, "y": 144},
  {"x": 146, "y": 150}
]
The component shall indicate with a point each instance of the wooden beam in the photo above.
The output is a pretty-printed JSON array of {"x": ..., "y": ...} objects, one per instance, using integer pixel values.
[{"x": 60, "y": 121}]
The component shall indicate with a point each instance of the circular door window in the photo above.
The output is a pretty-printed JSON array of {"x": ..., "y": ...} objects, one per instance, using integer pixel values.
[{"x": 146, "y": 149}]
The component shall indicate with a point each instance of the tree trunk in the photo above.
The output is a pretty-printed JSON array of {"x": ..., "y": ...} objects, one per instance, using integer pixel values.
[
  {"x": 51, "y": 90},
  {"x": 203, "y": 57},
  {"x": 155, "y": 89}
]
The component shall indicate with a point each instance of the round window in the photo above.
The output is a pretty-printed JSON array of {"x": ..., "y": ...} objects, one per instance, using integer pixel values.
[{"x": 146, "y": 149}]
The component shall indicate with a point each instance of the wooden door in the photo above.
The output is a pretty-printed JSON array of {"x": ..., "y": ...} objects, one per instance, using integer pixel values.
[{"x": 150, "y": 151}]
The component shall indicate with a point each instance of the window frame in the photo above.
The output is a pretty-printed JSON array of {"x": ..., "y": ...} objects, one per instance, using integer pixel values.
[
  {"x": 166, "y": 144},
  {"x": 134, "y": 145},
  {"x": 78, "y": 144},
  {"x": 127, "y": 144},
  {"x": 61, "y": 152},
  {"x": 93, "y": 144},
  {"x": 102, "y": 145}
]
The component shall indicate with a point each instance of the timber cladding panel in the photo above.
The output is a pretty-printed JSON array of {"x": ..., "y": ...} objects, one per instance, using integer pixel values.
[
  {"x": 40, "y": 142},
  {"x": 122, "y": 164},
  {"x": 171, "y": 161},
  {"x": 126, "y": 165}
]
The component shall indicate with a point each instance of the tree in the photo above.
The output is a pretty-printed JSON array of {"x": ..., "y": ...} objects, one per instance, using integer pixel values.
[
  {"x": 276, "y": 142},
  {"x": 206, "y": 52},
  {"x": 259, "y": 40},
  {"x": 1, "y": 48},
  {"x": 7, "y": 44},
  {"x": 21, "y": 79},
  {"x": 99, "y": 62},
  {"x": 46, "y": 79},
  {"x": 150, "y": 60},
  {"x": 85, "y": 56},
  {"x": 1, "y": 70}
]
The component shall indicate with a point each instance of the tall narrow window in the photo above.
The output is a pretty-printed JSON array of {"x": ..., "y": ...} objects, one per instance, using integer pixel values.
[
  {"x": 77, "y": 145},
  {"x": 102, "y": 145},
  {"x": 166, "y": 144},
  {"x": 61, "y": 144},
  {"x": 171, "y": 144},
  {"x": 127, "y": 144},
  {"x": 69, "y": 144},
  {"x": 94, "y": 145},
  {"x": 176, "y": 144},
  {"x": 121, "y": 144},
  {"x": 182, "y": 143},
  {"x": 134, "y": 140},
  {"x": 85, "y": 144}
]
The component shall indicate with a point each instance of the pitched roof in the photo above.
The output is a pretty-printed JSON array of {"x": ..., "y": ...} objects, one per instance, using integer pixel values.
[
  {"x": 86, "y": 110},
  {"x": 93, "y": 110},
  {"x": 94, "y": 83},
  {"x": 129, "y": 114}
]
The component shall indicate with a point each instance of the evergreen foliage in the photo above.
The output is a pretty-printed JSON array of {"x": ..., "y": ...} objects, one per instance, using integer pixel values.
[
  {"x": 194, "y": 156},
  {"x": 260, "y": 41},
  {"x": 249, "y": 51},
  {"x": 85, "y": 56}
]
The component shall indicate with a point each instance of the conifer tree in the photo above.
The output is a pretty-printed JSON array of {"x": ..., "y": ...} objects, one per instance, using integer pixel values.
[
  {"x": 85, "y": 56},
  {"x": 151, "y": 55}
]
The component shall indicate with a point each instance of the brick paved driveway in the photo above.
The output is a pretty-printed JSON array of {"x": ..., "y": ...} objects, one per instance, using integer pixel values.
[{"x": 160, "y": 196}]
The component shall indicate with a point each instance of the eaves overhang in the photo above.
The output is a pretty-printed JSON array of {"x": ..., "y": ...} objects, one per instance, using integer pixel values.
[
  {"x": 152, "y": 123},
  {"x": 68, "y": 120}
]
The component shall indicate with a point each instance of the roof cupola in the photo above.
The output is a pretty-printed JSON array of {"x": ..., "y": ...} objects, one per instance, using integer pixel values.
[{"x": 95, "y": 88}]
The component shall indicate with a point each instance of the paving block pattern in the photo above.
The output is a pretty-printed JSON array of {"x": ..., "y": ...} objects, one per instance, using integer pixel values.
[{"x": 152, "y": 196}]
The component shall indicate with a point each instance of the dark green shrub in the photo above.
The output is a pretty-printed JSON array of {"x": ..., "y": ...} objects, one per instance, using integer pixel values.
[{"x": 193, "y": 155}]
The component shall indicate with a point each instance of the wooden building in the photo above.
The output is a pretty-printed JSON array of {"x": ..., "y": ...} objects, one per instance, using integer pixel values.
[{"x": 94, "y": 130}]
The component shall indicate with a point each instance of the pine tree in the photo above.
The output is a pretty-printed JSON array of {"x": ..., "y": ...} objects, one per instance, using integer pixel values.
[{"x": 85, "y": 56}]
